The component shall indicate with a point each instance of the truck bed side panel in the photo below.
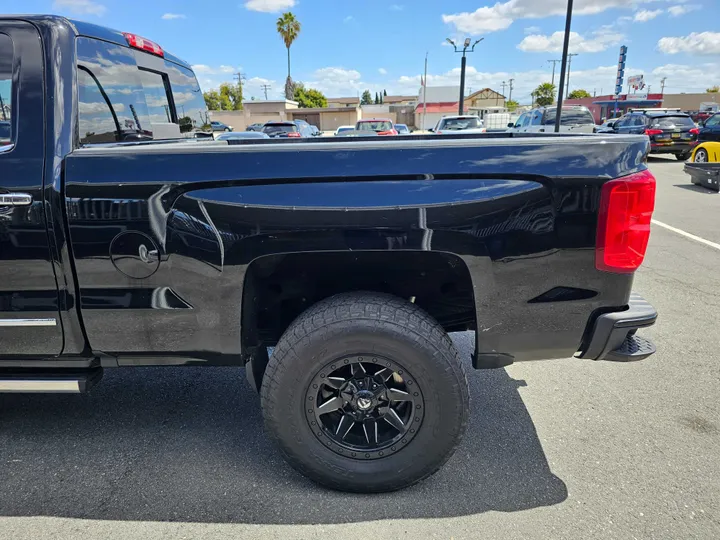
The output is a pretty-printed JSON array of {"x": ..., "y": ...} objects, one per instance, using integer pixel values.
[{"x": 522, "y": 217}]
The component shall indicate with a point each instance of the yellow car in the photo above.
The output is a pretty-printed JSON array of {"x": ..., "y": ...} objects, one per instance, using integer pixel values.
[{"x": 706, "y": 152}]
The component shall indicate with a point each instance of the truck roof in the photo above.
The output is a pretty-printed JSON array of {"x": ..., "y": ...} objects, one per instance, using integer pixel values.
[{"x": 86, "y": 29}]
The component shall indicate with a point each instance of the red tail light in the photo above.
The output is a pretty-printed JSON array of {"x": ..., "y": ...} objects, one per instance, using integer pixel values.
[
  {"x": 626, "y": 207},
  {"x": 388, "y": 132},
  {"x": 294, "y": 134},
  {"x": 653, "y": 132},
  {"x": 143, "y": 44},
  {"x": 695, "y": 131}
]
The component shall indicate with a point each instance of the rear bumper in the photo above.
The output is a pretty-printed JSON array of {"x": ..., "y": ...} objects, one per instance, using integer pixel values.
[
  {"x": 613, "y": 334},
  {"x": 672, "y": 147}
]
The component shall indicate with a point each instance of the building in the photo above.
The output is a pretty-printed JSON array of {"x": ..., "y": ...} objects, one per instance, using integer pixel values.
[
  {"x": 441, "y": 101},
  {"x": 327, "y": 118},
  {"x": 485, "y": 99},
  {"x": 343, "y": 102}
]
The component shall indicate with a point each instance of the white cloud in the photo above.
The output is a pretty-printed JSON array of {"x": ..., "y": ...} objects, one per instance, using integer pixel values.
[
  {"x": 98, "y": 107},
  {"x": 80, "y": 7},
  {"x": 171, "y": 16},
  {"x": 677, "y": 11},
  {"x": 382, "y": 71},
  {"x": 269, "y": 6},
  {"x": 645, "y": 15},
  {"x": 348, "y": 19},
  {"x": 694, "y": 43},
  {"x": 598, "y": 41},
  {"x": 501, "y": 15},
  {"x": 532, "y": 30},
  {"x": 396, "y": 7},
  {"x": 204, "y": 69}
]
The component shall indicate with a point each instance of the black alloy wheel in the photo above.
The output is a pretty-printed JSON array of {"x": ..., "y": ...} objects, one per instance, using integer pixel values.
[{"x": 364, "y": 406}]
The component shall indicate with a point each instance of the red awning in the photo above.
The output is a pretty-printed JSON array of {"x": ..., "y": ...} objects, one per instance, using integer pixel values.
[{"x": 438, "y": 107}]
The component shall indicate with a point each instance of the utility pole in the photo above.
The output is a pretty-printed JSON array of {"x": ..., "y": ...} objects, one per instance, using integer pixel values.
[
  {"x": 464, "y": 50},
  {"x": 662, "y": 85},
  {"x": 567, "y": 94},
  {"x": 265, "y": 88},
  {"x": 566, "y": 44},
  {"x": 503, "y": 85},
  {"x": 553, "y": 62},
  {"x": 510, "y": 81}
]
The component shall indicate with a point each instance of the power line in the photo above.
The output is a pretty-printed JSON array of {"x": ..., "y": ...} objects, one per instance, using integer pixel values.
[{"x": 265, "y": 88}]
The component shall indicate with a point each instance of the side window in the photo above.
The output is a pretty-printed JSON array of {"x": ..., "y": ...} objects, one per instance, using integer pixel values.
[
  {"x": 536, "y": 119},
  {"x": 710, "y": 122},
  {"x": 621, "y": 122},
  {"x": 6, "y": 88},
  {"x": 156, "y": 95},
  {"x": 189, "y": 102},
  {"x": 638, "y": 121}
]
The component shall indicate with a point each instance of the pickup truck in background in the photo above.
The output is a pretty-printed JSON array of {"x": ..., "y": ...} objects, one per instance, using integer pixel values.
[{"x": 123, "y": 244}]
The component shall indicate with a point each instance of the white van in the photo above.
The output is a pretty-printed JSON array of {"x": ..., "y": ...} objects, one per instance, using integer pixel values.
[{"x": 574, "y": 119}]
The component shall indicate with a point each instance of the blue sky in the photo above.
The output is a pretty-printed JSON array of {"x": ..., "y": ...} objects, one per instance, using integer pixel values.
[{"x": 345, "y": 47}]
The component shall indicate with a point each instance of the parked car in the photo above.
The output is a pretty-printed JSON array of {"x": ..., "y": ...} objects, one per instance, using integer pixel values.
[
  {"x": 242, "y": 135},
  {"x": 573, "y": 119},
  {"x": 355, "y": 133},
  {"x": 465, "y": 124},
  {"x": 670, "y": 130},
  {"x": 219, "y": 126},
  {"x": 343, "y": 129},
  {"x": 314, "y": 131},
  {"x": 381, "y": 126},
  {"x": 710, "y": 129},
  {"x": 284, "y": 130},
  {"x": 117, "y": 254},
  {"x": 606, "y": 126},
  {"x": 706, "y": 152},
  {"x": 257, "y": 126},
  {"x": 402, "y": 129},
  {"x": 704, "y": 165}
]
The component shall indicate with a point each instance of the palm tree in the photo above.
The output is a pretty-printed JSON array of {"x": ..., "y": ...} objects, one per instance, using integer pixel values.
[{"x": 289, "y": 28}]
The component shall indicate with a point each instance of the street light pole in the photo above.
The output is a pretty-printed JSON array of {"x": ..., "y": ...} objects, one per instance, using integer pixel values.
[
  {"x": 563, "y": 64},
  {"x": 464, "y": 50}
]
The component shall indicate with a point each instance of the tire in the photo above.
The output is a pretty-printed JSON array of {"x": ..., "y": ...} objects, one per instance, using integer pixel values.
[
  {"x": 365, "y": 326},
  {"x": 227, "y": 130},
  {"x": 701, "y": 156},
  {"x": 683, "y": 157}
]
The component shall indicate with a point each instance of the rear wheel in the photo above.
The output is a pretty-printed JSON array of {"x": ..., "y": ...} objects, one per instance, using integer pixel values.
[
  {"x": 365, "y": 392},
  {"x": 701, "y": 156}
]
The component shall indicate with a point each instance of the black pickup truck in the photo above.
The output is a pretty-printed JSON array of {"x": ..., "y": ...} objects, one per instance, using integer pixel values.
[{"x": 123, "y": 244}]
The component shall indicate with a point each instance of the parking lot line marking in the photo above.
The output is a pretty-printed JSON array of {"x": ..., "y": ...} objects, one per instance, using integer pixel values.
[{"x": 686, "y": 234}]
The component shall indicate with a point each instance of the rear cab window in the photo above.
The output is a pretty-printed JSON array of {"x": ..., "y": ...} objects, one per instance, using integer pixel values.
[
  {"x": 6, "y": 91},
  {"x": 129, "y": 95},
  {"x": 374, "y": 125}
]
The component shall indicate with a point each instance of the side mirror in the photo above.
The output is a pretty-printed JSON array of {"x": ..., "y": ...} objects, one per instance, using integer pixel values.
[
  {"x": 431, "y": 130},
  {"x": 511, "y": 125},
  {"x": 611, "y": 125}
]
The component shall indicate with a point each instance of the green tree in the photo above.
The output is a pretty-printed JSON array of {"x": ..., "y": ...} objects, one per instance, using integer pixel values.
[
  {"x": 511, "y": 105},
  {"x": 186, "y": 124},
  {"x": 377, "y": 99},
  {"x": 366, "y": 98},
  {"x": 713, "y": 89},
  {"x": 544, "y": 94},
  {"x": 233, "y": 94},
  {"x": 579, "y": 94},
  {"x": 384, "y": 93},
  {"x": 212, "y": 100},
  {"x": 309, "y": 98},
  {"x": 289, "y": 28}
]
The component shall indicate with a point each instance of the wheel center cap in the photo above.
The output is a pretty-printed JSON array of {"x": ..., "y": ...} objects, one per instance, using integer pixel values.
[{"x": 364, "y": 400}]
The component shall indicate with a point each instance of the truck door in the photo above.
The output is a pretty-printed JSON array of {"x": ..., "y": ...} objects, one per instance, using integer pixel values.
[{"x": 29, "y": 309}]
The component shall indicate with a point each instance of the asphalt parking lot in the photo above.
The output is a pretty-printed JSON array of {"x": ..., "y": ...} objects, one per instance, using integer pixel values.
[{"x": 557, "y": 449}]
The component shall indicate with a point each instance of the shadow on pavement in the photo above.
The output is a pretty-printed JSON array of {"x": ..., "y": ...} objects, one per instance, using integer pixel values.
[
  {"x": 187, "y": 444},
  {"x": 697, "y": 189}
]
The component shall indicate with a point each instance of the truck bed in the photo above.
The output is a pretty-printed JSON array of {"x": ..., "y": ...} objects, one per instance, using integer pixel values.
[{"x": 518, "y": 214}]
